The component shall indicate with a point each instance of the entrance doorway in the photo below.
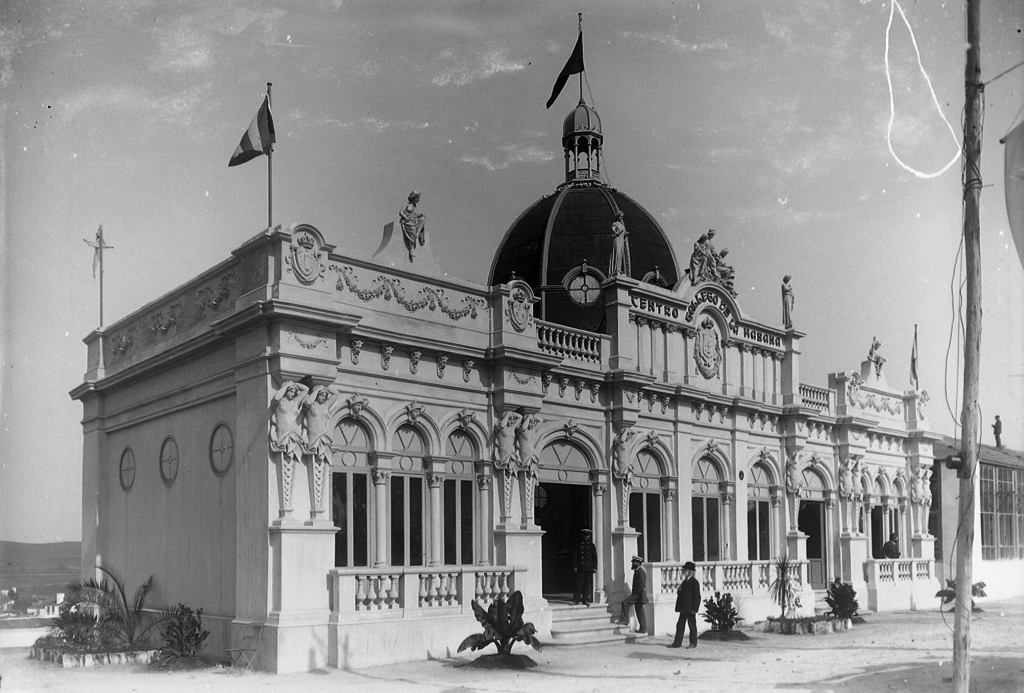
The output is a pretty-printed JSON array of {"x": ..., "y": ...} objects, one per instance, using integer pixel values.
[
  {"x": 811, "y": 521},
  {"x": 562, "y": 511}
]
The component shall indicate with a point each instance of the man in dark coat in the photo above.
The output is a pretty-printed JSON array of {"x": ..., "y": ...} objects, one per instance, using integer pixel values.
[
  {"x": 687, "y": 604},
  {"x": 584, "y": 564},
  {"x": 638, "y": 597},
  {"x": 891, "y": 548}
]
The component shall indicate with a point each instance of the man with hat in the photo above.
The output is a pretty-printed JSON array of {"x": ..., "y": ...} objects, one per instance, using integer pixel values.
[
  {"x": 584, "y": 564},
  {"x": 687, "y": 604},
  {"x": 638, "y": 597}
]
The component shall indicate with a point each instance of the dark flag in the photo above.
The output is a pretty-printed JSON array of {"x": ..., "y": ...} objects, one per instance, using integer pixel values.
[
  {"x": 258, "y": 139},
  {"x": 574, "y": 65}
]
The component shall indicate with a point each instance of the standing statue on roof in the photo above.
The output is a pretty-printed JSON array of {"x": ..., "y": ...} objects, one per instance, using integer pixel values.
[
  {"x": 876, "y": 358},
  {"x": 413, "y": 225},
  {"x": 619, "y": 263},
  {"x": 787, "y": 303}
]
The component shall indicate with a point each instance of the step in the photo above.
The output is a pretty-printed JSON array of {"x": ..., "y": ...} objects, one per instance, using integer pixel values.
[{"x": 585, "y": 639}]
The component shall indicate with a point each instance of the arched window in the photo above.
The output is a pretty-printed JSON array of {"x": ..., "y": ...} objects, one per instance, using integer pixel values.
[
  {"x": 350, "y": 497},
  {"x": 759, "y": 529},
  {"x": 407, "y": 506},
  {"x": 706, "y": 511},
  {"x": 645, "y": 505},
  {"x": 457, "y": 501}
]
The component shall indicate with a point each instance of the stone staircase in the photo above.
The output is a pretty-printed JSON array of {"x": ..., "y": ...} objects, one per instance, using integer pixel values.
[{"x": 580, "y": 625}]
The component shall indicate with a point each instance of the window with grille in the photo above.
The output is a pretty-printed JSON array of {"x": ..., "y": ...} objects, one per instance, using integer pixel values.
[
  {"x": 350, "y": 494},
  {"x": 706, "y": 512}
]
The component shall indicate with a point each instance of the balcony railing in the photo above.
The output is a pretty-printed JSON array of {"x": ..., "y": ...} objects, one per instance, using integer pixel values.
[
  {"x": 819, "y": 398},
  {"x": 737, "y": 577},
  {"x": 890, "y": 572},
  {"x": 399, "y": 591},
  {"x": 569, "y": 343}
]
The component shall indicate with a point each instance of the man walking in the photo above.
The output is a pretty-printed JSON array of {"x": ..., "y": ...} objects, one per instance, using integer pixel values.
[
  {"x": 687, "y": 604},
  {"x": 638, "y": 597},
  {"x": 584, "y": 564}
]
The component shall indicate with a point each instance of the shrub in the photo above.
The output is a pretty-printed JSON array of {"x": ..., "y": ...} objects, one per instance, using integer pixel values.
[
  {"x": 842, "y": 598},
  {"x": 503, "y": 625},
  {"x": 948, "y": 595},
  {"x": 183, "y": 633},
  {"x": 719, "y": 612},
  {"x": 785, "y": 589},
  {"x": 121, "y": 623},
  {"x": 74, "y": 627}
]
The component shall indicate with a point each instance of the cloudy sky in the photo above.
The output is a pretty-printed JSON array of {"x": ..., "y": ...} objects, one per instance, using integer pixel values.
[{"x": 816, "y": 138}]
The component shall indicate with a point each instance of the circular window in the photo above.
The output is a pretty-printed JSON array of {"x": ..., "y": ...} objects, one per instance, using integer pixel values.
[
  {"x": 221, "y": 449},
  {"x": 169, "y": 460},
  {"x": 127, "y": 469},
  {"x": 584, "y": 289}
]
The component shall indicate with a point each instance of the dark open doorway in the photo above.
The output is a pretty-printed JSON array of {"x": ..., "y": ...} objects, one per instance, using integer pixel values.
[
  {"x": 562, "y": 511},
  {"x": 811, "y": 521}
]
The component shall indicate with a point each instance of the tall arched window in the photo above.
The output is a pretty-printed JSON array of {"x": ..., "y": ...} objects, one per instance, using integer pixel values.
[
  {"x": 350, "y": 497},
  {"x": 645, "y": 505},
  {"x": 759, "y": 529},
  {"x": 407, "y": 506},
  {"x": 706, "y": 514},
  {"x": 457, "y": 501}
]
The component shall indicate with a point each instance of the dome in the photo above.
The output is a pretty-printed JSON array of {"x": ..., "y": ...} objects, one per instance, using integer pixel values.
[
  {"x": 582, "y": 118},
  {"x": 562, "y": 246}
]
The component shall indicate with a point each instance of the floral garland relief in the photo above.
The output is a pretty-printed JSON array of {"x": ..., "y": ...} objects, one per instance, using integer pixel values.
[{"x": 390, "y": 287}]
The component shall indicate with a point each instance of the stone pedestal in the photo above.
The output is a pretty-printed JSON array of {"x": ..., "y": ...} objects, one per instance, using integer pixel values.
[
  {"x": 796, "y": 545},
  {"x": 854, "y": 552},
  {"x": 295, "y": 635},
  {"x": 516, "y": 545},
  {"x": 624, "y": 542}
]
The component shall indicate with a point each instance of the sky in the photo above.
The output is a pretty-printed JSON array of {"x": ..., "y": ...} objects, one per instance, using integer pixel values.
[{"x": 770, "y": 121}]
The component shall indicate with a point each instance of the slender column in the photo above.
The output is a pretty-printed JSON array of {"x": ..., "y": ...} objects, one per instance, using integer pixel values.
[
  {"x": 434, "y": 481},
  {"x": 727, "y": 491},
  {"x": 643, "y": 345},
  {"x": 600, "y": 488},
  {"x": 669, "y": 520},
  {"x": 484, "y": 523},
  {"x": 775, "y": 493},
  {"x": 380, "y": 529}
]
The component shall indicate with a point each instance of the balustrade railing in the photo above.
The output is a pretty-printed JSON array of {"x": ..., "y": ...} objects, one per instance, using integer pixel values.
[
  {"x": 576, "y": 345},
  {"x": 399, "y": 590},
  {"x": 819, "y": 398},
  {"x": 737, "y": 577},
  {"x": 898, "y": 571}
]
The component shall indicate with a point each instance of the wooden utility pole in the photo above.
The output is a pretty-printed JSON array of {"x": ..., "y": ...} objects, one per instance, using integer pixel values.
[{"x": 970, "y": 418}]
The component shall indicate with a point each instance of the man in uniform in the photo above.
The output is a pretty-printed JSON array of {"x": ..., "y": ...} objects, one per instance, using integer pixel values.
[
  {"x": 638, "y": 597},
  {"x": 584, "y": 564}
]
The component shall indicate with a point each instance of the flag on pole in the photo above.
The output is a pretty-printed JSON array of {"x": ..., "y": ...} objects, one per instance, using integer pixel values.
[
  {"x": 572, "y": 66},
  {"x": 98, "y": 245},
  {"x": 258, "y": 139},
  {"x": 1014, "y": 186},
  {"x": 913, "y": 363}
]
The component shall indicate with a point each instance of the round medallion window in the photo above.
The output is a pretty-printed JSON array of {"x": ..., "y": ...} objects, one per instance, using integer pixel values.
[
  {"x": 221, "y": 449},
  {"x": 584, "y": 288},
  {"x": 169, "y": 461},
  {"x": 127, "y": 470}
]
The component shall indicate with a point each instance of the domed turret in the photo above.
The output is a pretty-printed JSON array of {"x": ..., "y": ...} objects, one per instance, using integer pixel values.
[{"x": 562, "y": 245}]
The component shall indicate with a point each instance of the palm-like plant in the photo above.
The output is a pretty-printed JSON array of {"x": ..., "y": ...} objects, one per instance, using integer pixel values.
[
  {"x": 503, "y": 626},
  {"x": 785, "y": 589},
  {"x": 120, "y": 622}
]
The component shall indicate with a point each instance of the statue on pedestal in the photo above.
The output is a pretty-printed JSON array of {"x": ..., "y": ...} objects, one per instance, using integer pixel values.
[
  {"x": 286, "y": 435},
  {"x": 787, "y": 303},
  {"x": 619, "y": 263},
  {"x": 413, "y": 225},
  {"x": 875, "y": 357}
]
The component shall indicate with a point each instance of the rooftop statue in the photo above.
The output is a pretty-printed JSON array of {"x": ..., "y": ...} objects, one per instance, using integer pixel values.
[
  {"x": 876, "y": 358},
  {"x": 413, "y": 225},
  {"x": 708, "y": 265},
  {"x": 619, "y": 263},
  {"x": 787, "y": 303}
]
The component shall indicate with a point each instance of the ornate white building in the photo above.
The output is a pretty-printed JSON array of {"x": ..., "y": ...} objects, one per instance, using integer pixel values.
[{"x": 466, "y": 433}]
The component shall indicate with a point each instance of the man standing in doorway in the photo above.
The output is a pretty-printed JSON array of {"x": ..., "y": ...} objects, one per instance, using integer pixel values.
[
  {"x": 584, "y": 564},
  {"x": 687, "y": 604},
  {"x": 891, "y": 548},
  {"x": 638, "y": 597}
]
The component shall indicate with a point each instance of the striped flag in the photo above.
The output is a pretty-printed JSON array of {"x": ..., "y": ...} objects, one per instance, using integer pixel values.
[
  {"x": 258, "y": 139},
  {"x": 913, "y": 363}
]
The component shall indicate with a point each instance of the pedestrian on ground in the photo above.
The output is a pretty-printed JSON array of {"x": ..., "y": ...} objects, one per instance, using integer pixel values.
[
  {"x": 638, "y": 597},
  {"x": 687, "y": 604},
  {"x": 584, "y": 564}
]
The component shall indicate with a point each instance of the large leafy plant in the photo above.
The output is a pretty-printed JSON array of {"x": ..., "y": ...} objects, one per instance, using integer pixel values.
[
  {"x": 785, "y": 588},
  {"x": 183, "y": 633},
  {"x": 503, "y": 626},
  {"x": 720, "y": 613},
  {"x": 120, "y": 621},
  {"x": 842, "y": 599},
  {"x": 949, "y": 595}
]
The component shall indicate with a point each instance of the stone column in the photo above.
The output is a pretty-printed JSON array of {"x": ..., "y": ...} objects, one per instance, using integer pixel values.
[
  {"x": 727, "y": 491},
  {"x": 830, "y": 546},
  {"x": 484, "y": 521},
  {"x": 380, "y": 529},
  {"x": 775, "y": 493},
  {"x": 643, "y": 346},
  {"x": 669, "y": 520},
  {"x": 600, "y": 489},
  {"x": 434, "y": 483}
]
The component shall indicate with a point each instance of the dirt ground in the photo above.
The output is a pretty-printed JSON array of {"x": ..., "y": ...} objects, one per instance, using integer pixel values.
[{"x": 899, "y": 651}]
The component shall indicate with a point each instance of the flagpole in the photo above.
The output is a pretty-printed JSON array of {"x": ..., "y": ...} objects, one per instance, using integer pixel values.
[
  {"x": 270, "y": 172},
  {"x": 99, "y": 238},
  {"x": 581, "y": 71}
]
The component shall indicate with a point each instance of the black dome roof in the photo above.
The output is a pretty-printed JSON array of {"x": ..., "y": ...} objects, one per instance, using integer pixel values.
[{"x": 555, "y": 235}]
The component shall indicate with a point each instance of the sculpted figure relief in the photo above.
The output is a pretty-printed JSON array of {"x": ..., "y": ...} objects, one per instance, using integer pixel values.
[
  {"x": 413, "y": 225},
  {"x": 846, "y": 493},
  {"x": 527, "y": 436},
  {"x": 698, "y": 259},
  {"x": 875, "y": 357},
  {"x": 286, "y": 435},
  {"x": 504, "y": 455},
  {"x": 621, "y": 464},
  {"x": 319, "y": 404},
  {"x": 795, "y": 486},
  {"x": 787, "y": 302},
  {"x": 708, "y": 265},
  {"x": 619, "y": 263}
]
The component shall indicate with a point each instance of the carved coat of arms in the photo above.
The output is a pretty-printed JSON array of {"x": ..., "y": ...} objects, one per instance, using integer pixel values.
[
  {"x": 520, "y": 311},
  {"x": 708, "y": 350},
  {"x": 304, "y": 257}
]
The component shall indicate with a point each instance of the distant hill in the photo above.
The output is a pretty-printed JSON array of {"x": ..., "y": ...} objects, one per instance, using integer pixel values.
[{"x": 58, "y": 557}]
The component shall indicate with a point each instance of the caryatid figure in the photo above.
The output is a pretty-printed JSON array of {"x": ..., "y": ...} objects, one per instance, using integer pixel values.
[
  {"x": 857, "y": 496},
  {"x": 795, "y": 486},
  {"x": 622, "y": 467},
  {"x": 286, "y": 435},
  {"x": 319, "y": 405},
  {"x": 527, "y": 436},
  {"x": 505, "y": 453},
  {"x": 846, "y": 492}
]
